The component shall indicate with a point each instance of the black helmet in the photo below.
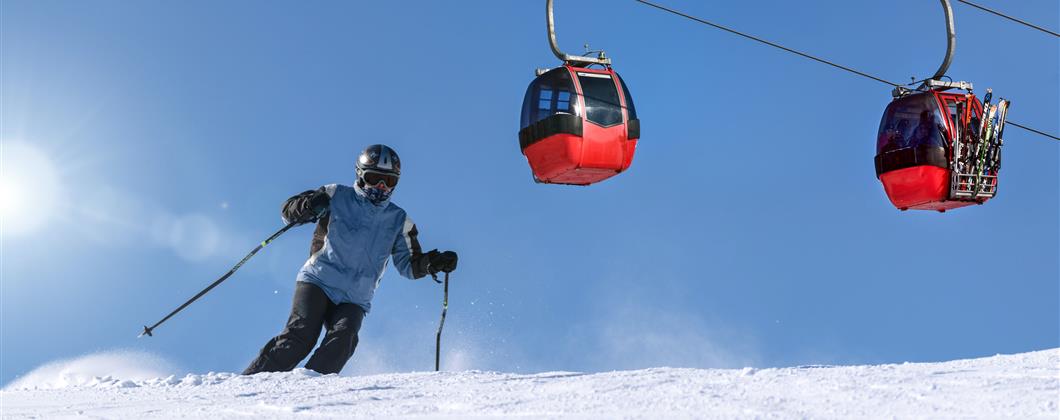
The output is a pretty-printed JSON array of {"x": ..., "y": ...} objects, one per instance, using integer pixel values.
[{"x": 378, "y": 170}]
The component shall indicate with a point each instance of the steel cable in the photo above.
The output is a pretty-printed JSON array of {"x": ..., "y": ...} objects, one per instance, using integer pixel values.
[
  {"x": 820, "y": 60},
  {"x": 1022, "y": 22}
]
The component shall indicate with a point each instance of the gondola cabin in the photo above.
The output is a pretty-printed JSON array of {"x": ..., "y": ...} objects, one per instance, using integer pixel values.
[
  {"x": 934, "y": 151},
  {"x": 578, "y": 125}
]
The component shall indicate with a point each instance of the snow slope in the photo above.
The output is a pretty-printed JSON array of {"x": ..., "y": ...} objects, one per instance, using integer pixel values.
[{"x": 1020, "y": 386}]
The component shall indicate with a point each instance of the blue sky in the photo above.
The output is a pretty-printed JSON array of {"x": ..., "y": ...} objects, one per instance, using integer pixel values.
[{"x": 750, "y": 230}]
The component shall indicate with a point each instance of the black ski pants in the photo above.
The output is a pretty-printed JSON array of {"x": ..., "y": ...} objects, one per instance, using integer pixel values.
[{"x": 310, "y": 311}]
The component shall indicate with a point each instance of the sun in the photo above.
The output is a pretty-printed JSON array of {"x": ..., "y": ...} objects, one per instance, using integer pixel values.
[{"x": 29, "y": 188}]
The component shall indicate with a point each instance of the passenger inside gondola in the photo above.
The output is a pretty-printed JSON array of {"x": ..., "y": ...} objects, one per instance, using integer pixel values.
[
  {"x": 893, "y": 138},
  {"x": 911, "y": 122},
  {"x": 928, "y": 132}
]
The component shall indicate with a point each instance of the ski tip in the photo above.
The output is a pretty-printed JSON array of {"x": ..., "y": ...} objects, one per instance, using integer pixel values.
[{"x": 147, "y": 332}]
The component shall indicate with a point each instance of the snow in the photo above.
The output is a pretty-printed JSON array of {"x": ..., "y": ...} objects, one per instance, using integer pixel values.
[
  {"x": 1023, "y": 385},
  {"x": 93, "y": 369}
]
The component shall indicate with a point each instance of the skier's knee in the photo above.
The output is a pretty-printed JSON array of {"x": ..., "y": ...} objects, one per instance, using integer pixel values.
[{"x": 300, "y": 342}]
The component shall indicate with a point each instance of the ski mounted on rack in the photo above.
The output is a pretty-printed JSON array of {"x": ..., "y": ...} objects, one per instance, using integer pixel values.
[{"x": 987, "y": 155}]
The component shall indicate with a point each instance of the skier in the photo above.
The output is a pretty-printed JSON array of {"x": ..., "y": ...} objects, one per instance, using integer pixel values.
[{"x": 358, "y": 230}]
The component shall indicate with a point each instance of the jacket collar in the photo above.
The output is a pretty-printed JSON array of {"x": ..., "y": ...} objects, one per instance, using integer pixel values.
[{"x": 363, "y": 197}]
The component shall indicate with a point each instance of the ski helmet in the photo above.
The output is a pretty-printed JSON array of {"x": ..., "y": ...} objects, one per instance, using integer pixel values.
[{"x": 378, "y": 170}]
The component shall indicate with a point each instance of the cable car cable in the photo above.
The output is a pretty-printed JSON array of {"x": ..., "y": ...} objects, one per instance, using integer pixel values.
[
  {"x": 1025, "y": 23},
  {"x": 820, "y": 60},
  {"x": 1032, "y": 130},
  {"x": 775, "y": 45}
]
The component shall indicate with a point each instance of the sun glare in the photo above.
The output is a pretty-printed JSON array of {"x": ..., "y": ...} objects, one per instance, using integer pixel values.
[{"x": 29, "y": 188}]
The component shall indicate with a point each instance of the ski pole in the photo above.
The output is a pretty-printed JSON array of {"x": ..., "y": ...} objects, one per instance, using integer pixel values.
[
  {"x": 438, "y": 337},
  {"x": 147, "y": 330}
]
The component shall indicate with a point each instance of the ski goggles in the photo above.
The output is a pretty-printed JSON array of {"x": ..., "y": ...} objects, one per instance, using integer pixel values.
[{"x": 373, "y": 178}]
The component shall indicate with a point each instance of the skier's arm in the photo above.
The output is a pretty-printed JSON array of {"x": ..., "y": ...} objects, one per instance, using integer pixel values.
[
  {"x": 307, "y": 206},
  {"x": 409, "y": 258}
]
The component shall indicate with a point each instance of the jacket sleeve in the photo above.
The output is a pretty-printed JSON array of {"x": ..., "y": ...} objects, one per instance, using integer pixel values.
[
  {"x": 409, "y": 258},
  {"x": 299, "y": 207}
]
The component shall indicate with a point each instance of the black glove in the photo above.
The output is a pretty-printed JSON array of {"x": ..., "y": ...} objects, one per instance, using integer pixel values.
[
  {"x": 318, "y": 203},
  {"x": 441, "y": 261},
  {"x": 306, "y": 207}
]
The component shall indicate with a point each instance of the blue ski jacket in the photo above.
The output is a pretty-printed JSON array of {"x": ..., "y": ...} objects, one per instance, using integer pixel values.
[{"x": 353, "y": 242}]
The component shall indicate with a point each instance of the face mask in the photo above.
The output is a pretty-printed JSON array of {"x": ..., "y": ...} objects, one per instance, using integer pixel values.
[{"x": 376, "y": 195}]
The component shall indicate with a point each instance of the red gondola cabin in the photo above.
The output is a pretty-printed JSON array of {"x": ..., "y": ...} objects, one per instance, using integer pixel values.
[
  {"x": 578, "y": 126},
  {"x": 929, "y": 155}
]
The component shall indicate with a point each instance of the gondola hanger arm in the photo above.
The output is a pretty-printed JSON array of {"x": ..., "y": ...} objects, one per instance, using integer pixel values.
[
  {"x": 567, "y": 58},
  {"x": 935, "y": 82},
  {"x": 951, "y": 41}
]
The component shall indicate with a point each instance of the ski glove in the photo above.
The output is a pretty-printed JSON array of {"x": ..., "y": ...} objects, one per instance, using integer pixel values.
[
  {"x": 306, "y": 207},
  {"x": 440, "y": 261}
]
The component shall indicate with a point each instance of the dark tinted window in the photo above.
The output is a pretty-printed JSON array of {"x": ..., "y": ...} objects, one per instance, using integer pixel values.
[
  {"x": 549, "y": 94},
  {"x": 914, "y": 120},
  {"x": 630, "y": 109},
  {"x": 602, "y": 105}
]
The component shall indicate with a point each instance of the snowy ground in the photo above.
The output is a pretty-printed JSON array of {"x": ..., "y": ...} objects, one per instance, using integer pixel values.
[{"x": 1020, "y": 386}]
